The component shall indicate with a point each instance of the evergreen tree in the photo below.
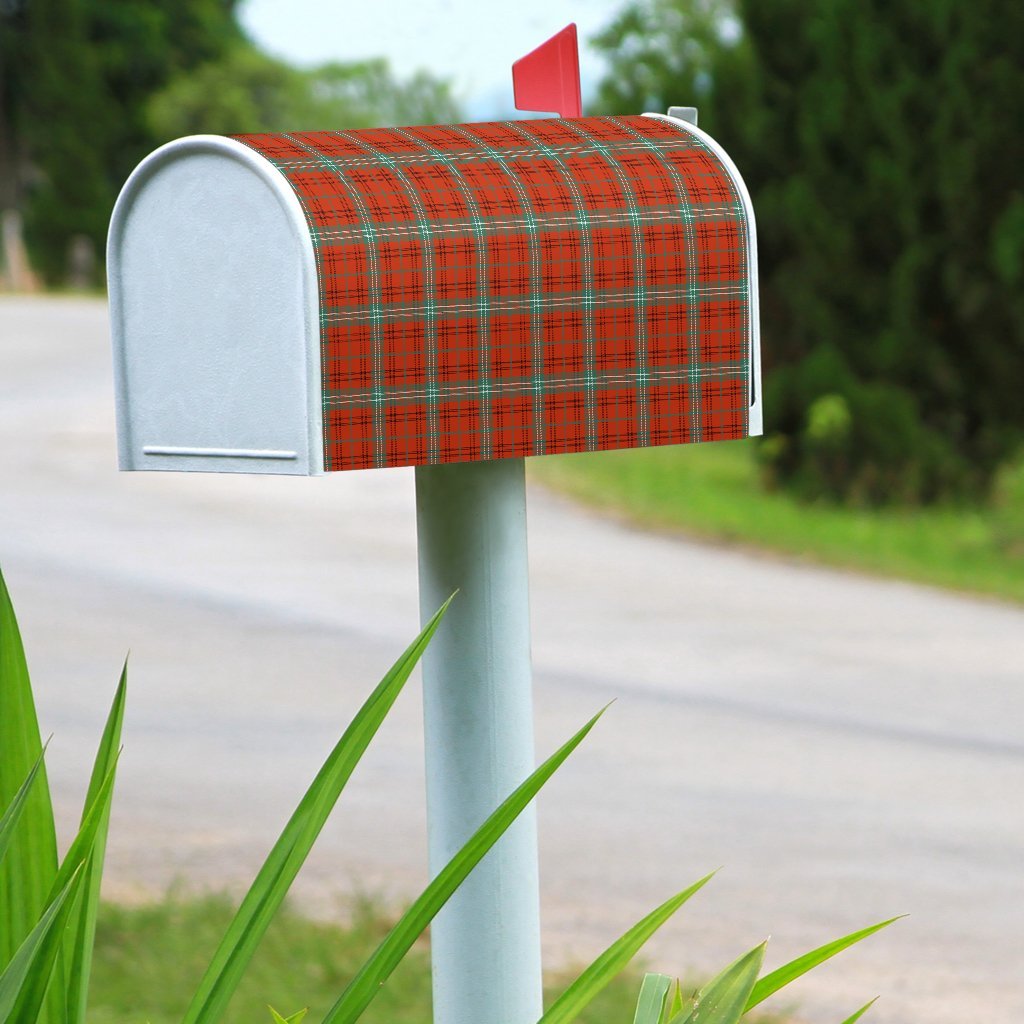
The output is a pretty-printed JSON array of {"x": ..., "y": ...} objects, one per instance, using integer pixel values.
[
  {"x": 76, "y": 77},
  {"x": 881, "y": 144},
  {"x": 249, "y": 91},
  {"x": 88, "y": 87}
]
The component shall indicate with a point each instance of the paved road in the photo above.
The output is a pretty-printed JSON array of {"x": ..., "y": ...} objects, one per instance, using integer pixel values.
[{"x": 846, "y": 748}]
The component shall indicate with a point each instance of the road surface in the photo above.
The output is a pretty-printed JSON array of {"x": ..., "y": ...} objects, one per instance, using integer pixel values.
[{"x": 845, "y": 748}]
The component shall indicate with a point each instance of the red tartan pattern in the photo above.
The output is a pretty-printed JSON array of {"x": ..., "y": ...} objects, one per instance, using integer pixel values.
[{"x": 523, "y": 288}]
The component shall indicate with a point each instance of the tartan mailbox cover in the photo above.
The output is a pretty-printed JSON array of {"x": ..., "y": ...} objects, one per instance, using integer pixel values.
[{"x": 317, "y": 301}]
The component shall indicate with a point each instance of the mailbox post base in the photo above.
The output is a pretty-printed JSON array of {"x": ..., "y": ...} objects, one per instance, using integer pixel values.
[{"x": 478, "y": 719}]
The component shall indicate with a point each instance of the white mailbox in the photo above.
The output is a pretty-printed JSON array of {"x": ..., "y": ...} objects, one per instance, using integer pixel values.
[{"x": 318, "y": 301}]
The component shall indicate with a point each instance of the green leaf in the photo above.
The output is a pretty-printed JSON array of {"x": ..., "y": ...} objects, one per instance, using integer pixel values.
[
  {"x": 84, "y": 843},
  {"x": 30, "y": 866},
  {"x": 723, "y": 1000},
  {"x": 651, "y": 1003},
  {"x": 282, "y": 864},
  {"x": 24, "y": 981},
  {"x": 771, "y": 983},
  {"x": 72, "y": 866},
  {"x": 372, "y": 975},
  {"x": 17, "y": 805},
  {"x": 569, "y": 1004},
  {"x": 295, "y": 1018},
  {"x": 860, "y": 1013},
  {"x": 675, "y": 1007},
  {"x": 82, "y": 931}
]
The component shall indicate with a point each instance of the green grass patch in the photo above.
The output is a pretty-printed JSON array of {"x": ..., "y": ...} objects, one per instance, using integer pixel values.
[
  {"x": 150, "y": 958},
  {"x": 714, "y": 491}
]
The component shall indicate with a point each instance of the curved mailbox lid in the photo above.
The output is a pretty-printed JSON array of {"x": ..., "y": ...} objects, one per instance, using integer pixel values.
[
  {"x": 524, "y": 288},
  {"x": 458, "y": 292},
  {"x": 689, "y": 124}
]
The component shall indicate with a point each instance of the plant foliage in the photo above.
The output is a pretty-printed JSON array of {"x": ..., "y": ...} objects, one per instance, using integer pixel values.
[
  {"x": 48, "y": 914},
  {"x": 874, "y": 140},
  {"x": 89, "y": 87},
  {"x": 49, "y": 909}
]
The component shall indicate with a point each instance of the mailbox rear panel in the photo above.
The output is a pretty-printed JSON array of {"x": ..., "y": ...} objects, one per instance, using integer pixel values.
[{"x": 525, "y": 288}]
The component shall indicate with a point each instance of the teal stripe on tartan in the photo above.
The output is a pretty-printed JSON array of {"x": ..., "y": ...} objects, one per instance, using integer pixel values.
[
  {"x": 391, "y": 323},
  {"x": 603, "y": 297},
  {"x": 739, "y": 213},
  {"x": 476, "y": 223},
  {"x": 411, "y": 159},
  {"x": 586, "y": 298},
  {"x": 429, "y": 311},
  {"x": 640, "y": 307},
  {"x": 533, "y": 297},
  {"x": 693, "y": 307},
  {"x": 378, "y": 398},
  {"x": 498, "y": 222},
  {"x": 550, "y": 384}
]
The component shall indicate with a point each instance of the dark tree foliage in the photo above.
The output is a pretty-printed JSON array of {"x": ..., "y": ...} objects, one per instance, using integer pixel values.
[
  {"x": 881, "y": 141},
  {"x": 89, "y": 87},
  {"x": 249, "y": 91},
  {"x": 75, "y": 80}
]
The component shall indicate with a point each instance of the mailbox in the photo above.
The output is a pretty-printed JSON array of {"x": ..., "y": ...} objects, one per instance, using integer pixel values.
[
  {"x": 306, "y": 302},
  {"x": 453, "y": 298}
]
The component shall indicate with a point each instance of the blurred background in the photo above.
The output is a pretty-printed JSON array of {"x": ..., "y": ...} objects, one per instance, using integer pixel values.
[
  {"x": 847, "y": 743},
  {"x": 880, "y": 142}
]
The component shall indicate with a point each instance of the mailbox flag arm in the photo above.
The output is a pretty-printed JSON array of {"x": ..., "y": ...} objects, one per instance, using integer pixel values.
[{"x": 548, "y": 78}]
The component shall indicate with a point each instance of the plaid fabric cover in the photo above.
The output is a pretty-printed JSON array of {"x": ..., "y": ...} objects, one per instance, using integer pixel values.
[{"x": 522, "y": 288}]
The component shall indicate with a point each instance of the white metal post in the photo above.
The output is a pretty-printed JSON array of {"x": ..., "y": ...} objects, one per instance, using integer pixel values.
[{"x": 478, "y": 712}]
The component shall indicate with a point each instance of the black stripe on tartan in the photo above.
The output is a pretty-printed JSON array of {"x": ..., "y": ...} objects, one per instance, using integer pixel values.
[
  {"x": 586, "y": 296},
  {"x": 376, "y": 341},
  {"x": 429, "y": 310}
]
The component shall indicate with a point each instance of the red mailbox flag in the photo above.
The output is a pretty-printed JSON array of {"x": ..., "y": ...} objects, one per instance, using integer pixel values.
[{"x": 548, "y": 78}]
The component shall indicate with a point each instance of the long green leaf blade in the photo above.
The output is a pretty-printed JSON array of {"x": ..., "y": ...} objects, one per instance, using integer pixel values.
[
  {"x": 779, "y": 978},
  {"x": 28, "y": 870},
  {"x": 73, "y": 866},
  {"x": 84, "y": 843},
  {"x": 13, "y": 813},
  {"x": 572, "y": 1001},
  {"x": 295, "y": 1018},
  {"x": 372, "y": 975},
  {"x": 82, "y": 931},
  {"x": 24, "y": 980},
  {"x": 853, "y": 1018},
  {"x": 675, "y": 1006},
  {"x": 723, "y": 1000},
  {"x": 651, "y": 1003},
  {"x": 282, "y": 864}
]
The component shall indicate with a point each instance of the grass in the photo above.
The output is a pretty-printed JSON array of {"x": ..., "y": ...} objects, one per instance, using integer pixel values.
[
  {"x": 714, "y": 492},
  {"x": 149, "y": 958}
]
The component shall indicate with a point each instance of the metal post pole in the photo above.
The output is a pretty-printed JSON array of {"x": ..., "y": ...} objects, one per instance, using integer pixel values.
[{"x": 478, "y": 720}]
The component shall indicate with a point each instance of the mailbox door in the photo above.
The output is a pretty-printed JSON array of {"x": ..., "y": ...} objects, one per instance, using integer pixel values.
[{"x": 212, "y": 278}]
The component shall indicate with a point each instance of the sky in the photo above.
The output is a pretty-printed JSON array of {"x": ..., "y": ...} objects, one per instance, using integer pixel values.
[{"x": 472, "y": 42}]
